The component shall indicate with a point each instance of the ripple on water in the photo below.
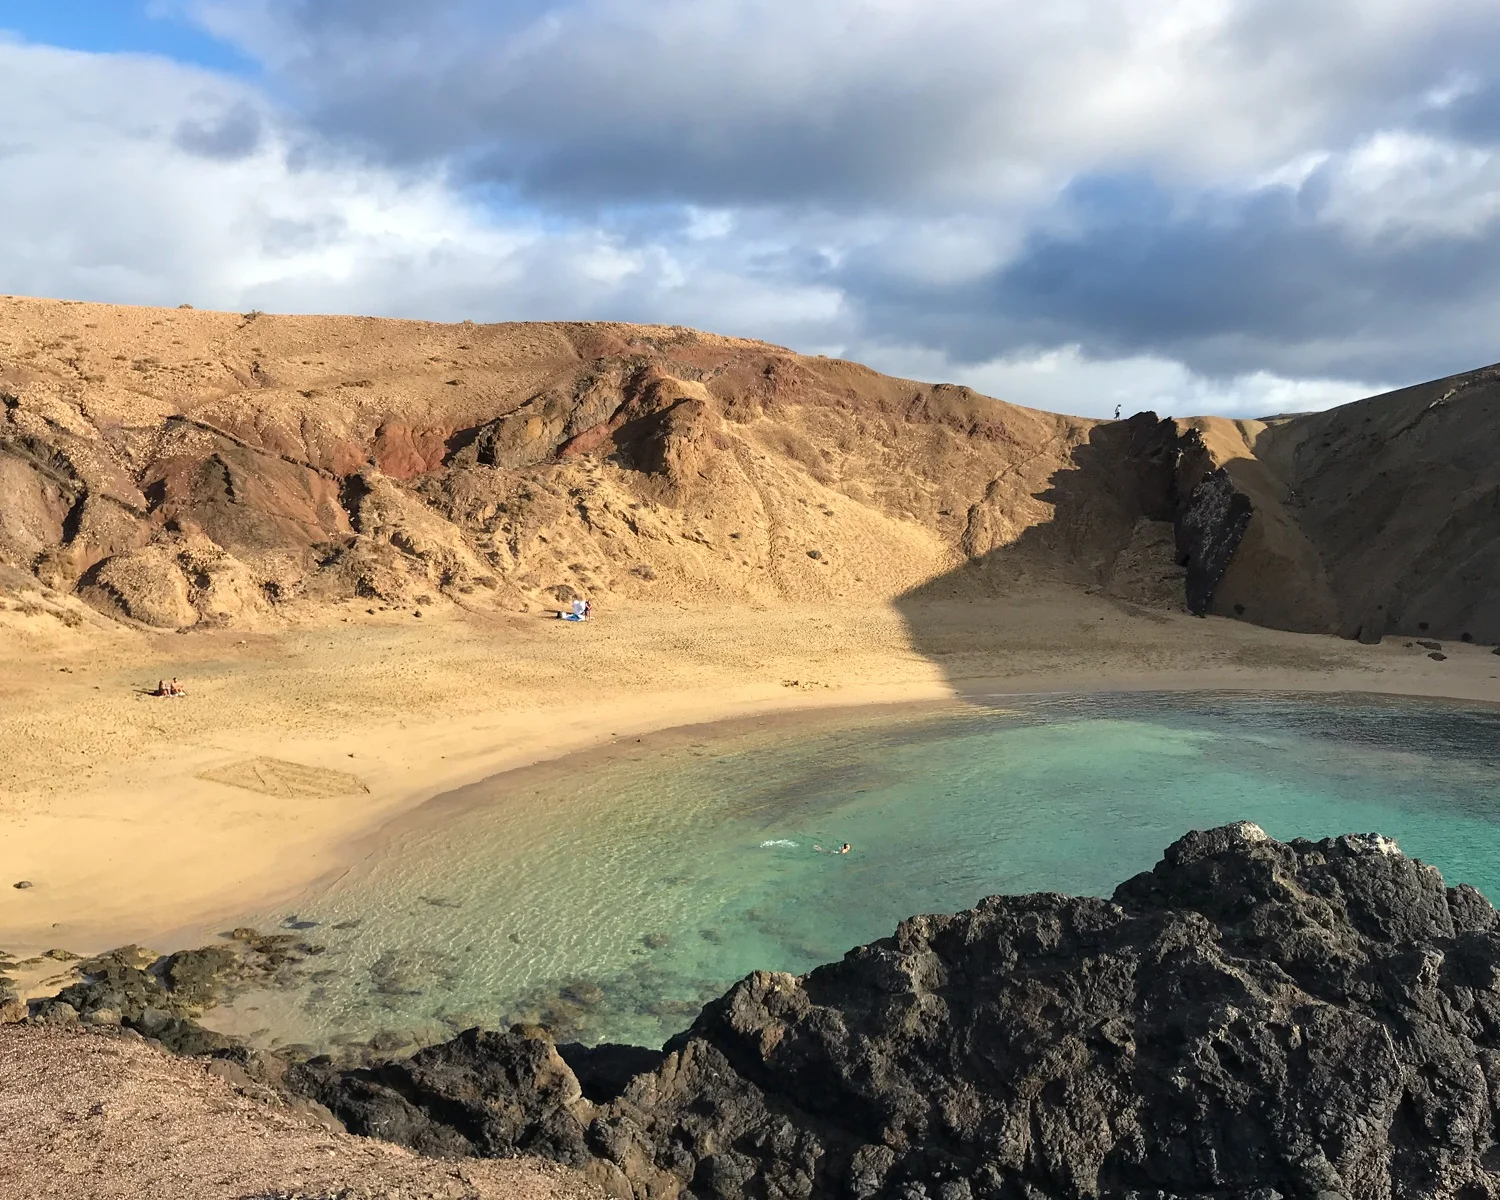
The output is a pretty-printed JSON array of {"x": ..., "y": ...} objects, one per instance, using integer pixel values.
[{"x": 611, "y": 902}]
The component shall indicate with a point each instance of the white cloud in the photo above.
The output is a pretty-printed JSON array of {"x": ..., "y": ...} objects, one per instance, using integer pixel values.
[
  {"x": 1410, "y": 185},
  {"x": 964, "y": 102},
  {"x": 100, "y": 199},
  {"x": 1065, "y": 380}
]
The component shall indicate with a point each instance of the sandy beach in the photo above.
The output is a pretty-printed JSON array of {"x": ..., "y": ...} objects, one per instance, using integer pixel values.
[{"x": 140, "y": 819}]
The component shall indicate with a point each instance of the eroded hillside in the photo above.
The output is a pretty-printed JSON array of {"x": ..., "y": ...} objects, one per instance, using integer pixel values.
[{"x": 175, "y": 468}]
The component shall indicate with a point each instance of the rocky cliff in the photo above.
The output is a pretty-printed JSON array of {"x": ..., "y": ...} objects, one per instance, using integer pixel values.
[{"x": 1309, "y": 1020}]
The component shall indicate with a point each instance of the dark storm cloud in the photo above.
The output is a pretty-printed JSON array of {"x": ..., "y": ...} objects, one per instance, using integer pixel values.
[
  {"x": 779, "y": 101},
  {"x": 1258, "y": 282}
]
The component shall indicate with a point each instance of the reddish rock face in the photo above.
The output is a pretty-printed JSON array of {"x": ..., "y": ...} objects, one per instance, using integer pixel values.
[{"x": 404, "y": 453}]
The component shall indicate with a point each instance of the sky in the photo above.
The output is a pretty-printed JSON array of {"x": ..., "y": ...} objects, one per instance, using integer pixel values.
[{"x": 1242, "y": 207}]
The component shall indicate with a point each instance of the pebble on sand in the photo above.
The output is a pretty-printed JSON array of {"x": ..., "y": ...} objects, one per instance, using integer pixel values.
[{"x": 23, "y": 885}]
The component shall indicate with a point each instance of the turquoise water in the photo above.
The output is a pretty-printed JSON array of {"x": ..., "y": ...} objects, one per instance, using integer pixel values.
[{"x": 609, "y": 898}]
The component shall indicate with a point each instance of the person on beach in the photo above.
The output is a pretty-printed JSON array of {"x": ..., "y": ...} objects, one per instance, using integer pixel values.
[
  {"x": 177, "y": 688},
  {"x": 161, "y": 688},
  {"x": 588, "y": 609}
]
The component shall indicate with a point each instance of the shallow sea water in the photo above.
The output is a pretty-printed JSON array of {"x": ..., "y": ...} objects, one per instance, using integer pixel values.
[{"x": 610, "y": 900}]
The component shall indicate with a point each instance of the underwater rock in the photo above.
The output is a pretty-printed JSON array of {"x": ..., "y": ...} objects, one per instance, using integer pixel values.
[
  {"x": 584, "y": 993},
  {"x": 1250, "y": 1018},
  {"x": 408, "y": 972}
]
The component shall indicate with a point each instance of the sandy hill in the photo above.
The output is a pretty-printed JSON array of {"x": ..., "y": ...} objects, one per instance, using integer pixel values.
[{"x": 176, "y": 468}]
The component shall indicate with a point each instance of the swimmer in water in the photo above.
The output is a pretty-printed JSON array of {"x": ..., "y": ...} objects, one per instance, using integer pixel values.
[{"x": 844, "y": 849}]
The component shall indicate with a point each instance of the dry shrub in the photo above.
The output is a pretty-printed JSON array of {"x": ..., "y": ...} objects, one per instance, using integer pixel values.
[{"x": 72, "y": 618}]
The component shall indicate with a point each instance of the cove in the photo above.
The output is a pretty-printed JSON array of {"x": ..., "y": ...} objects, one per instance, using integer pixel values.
[{"x": 608, "y": 897}]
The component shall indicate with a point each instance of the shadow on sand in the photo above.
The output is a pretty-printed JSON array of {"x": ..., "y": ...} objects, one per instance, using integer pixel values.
[{"x": 1036, "y": 597}]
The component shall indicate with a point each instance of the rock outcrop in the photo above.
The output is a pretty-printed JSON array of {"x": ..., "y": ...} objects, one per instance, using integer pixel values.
[
  {"x": 1212, "y": 521},
  {"x": 158, "y": 996},
  {"x": 1309, "y": 1020}
]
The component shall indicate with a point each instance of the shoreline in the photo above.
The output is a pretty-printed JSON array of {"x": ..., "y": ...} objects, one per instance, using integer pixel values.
[
  {"x": 161, "y": 855},
  {"x": 432, "y": 812}
]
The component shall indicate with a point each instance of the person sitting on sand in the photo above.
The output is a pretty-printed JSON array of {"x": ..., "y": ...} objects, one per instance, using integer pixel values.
[
  {"x": 161, "y": 688},
  {"x": 177, "y": 688}
]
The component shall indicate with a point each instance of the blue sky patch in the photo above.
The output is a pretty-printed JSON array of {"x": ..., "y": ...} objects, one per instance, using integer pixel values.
[{"x": 119, "y": 26}]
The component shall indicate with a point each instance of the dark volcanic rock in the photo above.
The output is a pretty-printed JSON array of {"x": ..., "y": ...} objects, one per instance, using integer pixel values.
[
  {"x": 1209, "y": 528},
  {"x": 158, "y": 997},
  {"x": 1249, "y": 1019}
]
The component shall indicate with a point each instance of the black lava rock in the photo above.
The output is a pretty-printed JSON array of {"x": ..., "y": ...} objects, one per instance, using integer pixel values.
[
  {"x": 1208, "y": 530},
  {"x": 1248, "y": 1019}
]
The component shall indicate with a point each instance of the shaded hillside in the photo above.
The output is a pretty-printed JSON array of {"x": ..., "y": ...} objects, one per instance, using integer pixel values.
[
  {"x": 175, "y": 468},
  {"x": 1381, "y": 516},
  {"x": 1399, "y": 496}
]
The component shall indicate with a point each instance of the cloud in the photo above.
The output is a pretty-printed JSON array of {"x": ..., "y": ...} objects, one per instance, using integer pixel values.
[
  {"x": 1382, "y": 263},
  {"x": 231, "y": 133},
  {"x": 1065, "y": 380},
  {"x": 854, "y": 103},
  {"x": 1238, "y": 205},
  {"x": 102, "y": 196}
]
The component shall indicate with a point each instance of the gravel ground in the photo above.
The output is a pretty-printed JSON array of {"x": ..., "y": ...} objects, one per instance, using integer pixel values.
[{"x": 100, "y": 1116}]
